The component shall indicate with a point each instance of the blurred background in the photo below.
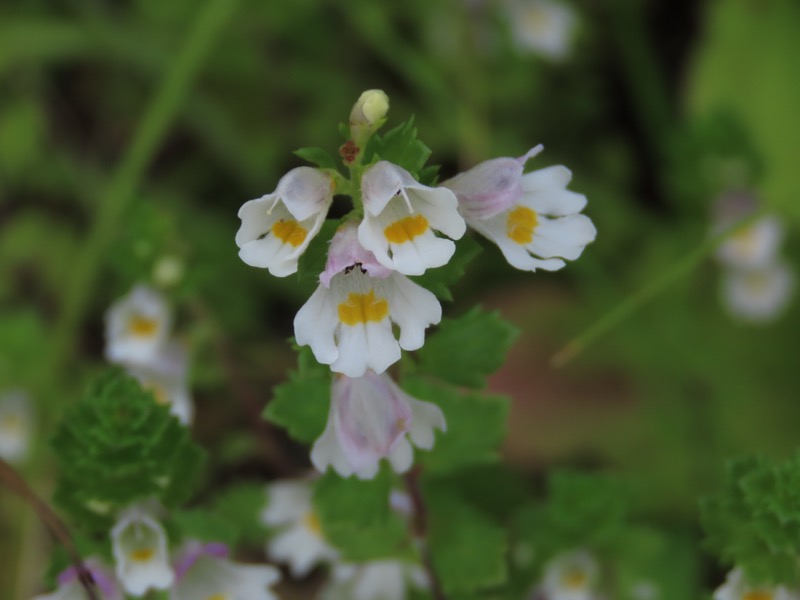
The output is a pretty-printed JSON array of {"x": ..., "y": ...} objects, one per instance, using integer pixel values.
[{"x": 131, "y": 132}]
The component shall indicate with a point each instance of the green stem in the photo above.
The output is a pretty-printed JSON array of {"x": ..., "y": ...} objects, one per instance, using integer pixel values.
[{"x": 154, "y": 124}]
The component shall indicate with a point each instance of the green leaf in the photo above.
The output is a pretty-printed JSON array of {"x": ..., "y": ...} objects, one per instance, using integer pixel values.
[
  {"x": 317, "y": 156},
  {"x": 440, "y": 280},
  {"x": 202, "y": 525},
  {"x": 300, "y": 405},
  {"x": 240, "y": 508},
  {"x": 467, "y": 349},
  {"x": 401, "y": 147},
  {"x": 356, "y": 517},
  {"x": 468, "y": 549},
  {"x": 23, "y": 344},
  {"x": 475, "y": 426}
]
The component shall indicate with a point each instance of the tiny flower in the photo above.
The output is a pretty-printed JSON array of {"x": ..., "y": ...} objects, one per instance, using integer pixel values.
[
  {"x": 70, "y": 588},
  {"x": 753, "y": 246},
  {"x": 140, "y": 553},
  {"x": 543, "y": 27},
  {"x": 570, "y": 576},
  {"x": 400, "y": 217},
  {"x": 205, "y": 573},
  {"x": 299, "y": 541},
  {"x": 277, "y": 228},
  {"x": 369, "y": 419},
  {"x": 137, "y": 326},
  {"x": 532, "y": 218},
  {"x": 348, "y": 319},
  {"x": 374, "y": 580},
  {"x": 737, "y": 588},
  {"x": 16, "y": 425},
  {"x": 757, "y": 295},
  {"x": 166, "y": 378}
]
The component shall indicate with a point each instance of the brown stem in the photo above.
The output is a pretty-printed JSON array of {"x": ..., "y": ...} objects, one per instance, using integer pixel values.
[{"x": 419, "y": 527}]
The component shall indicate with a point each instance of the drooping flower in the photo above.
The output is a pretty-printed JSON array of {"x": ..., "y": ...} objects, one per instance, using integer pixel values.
[
  {"x": 16, "y": 425},
  {"x": 137, "y": 326},
  {"x": 299, "y": 541},
  {"x": 348, "y": 319},
  {"x": 532, "y": 217},
  {"x": 571, "y": 576},
  {"x": 737, "y": 588},
  {"x": 544, "y": 27},
  {"x": 371, "y": 418},
  {"x": 70, "y": 588},
  {"x": 139, "y": 544},
  {"x": 757, "y": 295},
  {"x": 205, "y": 573},
  {"x": 277, "y": 228},
  {"x": 374, "y": 580},
  {"x": 166, "y": 377},
  {"x": 400, "y": 217}
]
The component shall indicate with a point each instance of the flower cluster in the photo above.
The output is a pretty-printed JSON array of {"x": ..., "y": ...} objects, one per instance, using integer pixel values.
[
  {"x": 366, "y": 309},
  {"x": 138, "y": 338},
  {"x": 736, "y": 587},
  {"x": 756, "y": 284}
]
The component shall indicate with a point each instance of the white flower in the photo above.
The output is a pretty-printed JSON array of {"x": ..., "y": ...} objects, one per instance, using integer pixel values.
[
  {"x": 369, "y": 419},
  {"x": 277, "y": 228},
  {"x": 570, "y": 576},
  {"x": 299, "y": 541},
  {"x": 16, "y": 425},
  {"x": 140, "y": 553},
  {"x": 137, "y": 326},
  {"x": 207, "y": 574},
  {"x": 375, "y": 580},
  {"x": 514, "y": 211},
  {"x": 543, "y": 27},
  {"x": 757, "y": 295},
  {"x": 166, "y": 378},
  {"x": 400, "y": 215},
  {"x": 348, "y": 319},
  {"x": 70, "y": 588},
  {"x": 753, "y": 246},
  {"x": 736, "y": 588}
]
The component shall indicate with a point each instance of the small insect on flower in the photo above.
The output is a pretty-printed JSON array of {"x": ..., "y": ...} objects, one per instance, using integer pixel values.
[
  {"x": 374, "y": 580},
  {"x": 299, "y": 541},
  {"x": 16, "y": 425},
  {"x": 70, "y": 587},
  {"x": 277, "y": 228},
  {"x": 737, "y": 588},
  {"x": 137, "y": 326},
  {"x": 139, "y": 544},
  {"x": 571, "y": 576}
]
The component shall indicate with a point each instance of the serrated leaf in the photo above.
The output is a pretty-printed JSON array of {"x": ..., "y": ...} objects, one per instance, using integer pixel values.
[
  {"x": 465, "y": 350},
  {"x": 240, "y": 508},
  {"x": 476, "y": 426},
  {"x": 401, "y": 147},
  {"x": 317, "y": 156},
  {"x": 439, "y": 280}
]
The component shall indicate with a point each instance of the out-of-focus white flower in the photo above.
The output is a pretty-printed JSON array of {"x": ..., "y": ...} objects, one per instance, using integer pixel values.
[
  {"x": 348, "y": 319},
  {"x": 571, "y": 576},
  {"x": 277, "y": 228},
  {"x": 757, "y": 295},
  {"x": 205, "y": 573},
  {"x": 371, "y": 418},
  {"x": 166, "y": 377},
  {"x": 736, "y": 588},
  {"x": 544, "y": 27},
  {"x": 70, "y": 588},
  {"x": 16, "y": 425},
  {"x": 137, "y": 326},
  {"x": 168, "y": 270},
  {"x": 532, "y": 218},
  {"x": 754, "y": 246},
  {"x": 299, "y": 541},
  {"x": 400, "y": 216},
  {"x": 139, "y": 544},
  {"x": 375, "y": 580}
]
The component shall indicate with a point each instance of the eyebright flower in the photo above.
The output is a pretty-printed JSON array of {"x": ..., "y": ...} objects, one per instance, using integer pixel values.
[
  {"x": 532, "y": 218},
  {"x": 140, "y": 552},
  {"x": 543, "y": 27},
  {"x": 277, "y": 228},
  {"x": 754, "y": 246},
  {"x": 204, "y": 572},
  {"x": 400, "y": 216},
  {"x": 16, "y": 425},
  {"x": 299, "y": 541},
  {"x": 374, "y": 580},
  {"x": 70, "y": 588},
  {"x": 166, "y": 378},
  {"x": 758, "y": 294},
  {"x": 137, "y": 326},
  {"x": 571, "y": 576},
  {"x": 348, "y": 319},
  {"x": 736, "y": 588},
  {"x": 369, "y": 419}
]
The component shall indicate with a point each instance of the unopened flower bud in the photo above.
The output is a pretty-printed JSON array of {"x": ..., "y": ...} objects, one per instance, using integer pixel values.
[{"x": 368, "y": 114}]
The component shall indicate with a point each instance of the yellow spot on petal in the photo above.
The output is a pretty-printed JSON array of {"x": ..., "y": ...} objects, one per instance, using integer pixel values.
[
  {"x": 142, "y": 326},
  {"x": 363, "y": 308},
  {"x": 311, "y": 521},
  {"x": 758, "y": 595},
  {"x": 406, "y": 229},
  {"x": 159, "y": 393},
  {"x": 574, "y": 579},
  {"x": 142, "y": 554},
  {"x": 289, "y": 232},
  {"x": 520, "y": 225}
]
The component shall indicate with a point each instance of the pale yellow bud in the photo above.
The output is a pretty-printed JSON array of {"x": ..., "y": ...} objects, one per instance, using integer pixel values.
[{"x": 368, "y": 113}]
